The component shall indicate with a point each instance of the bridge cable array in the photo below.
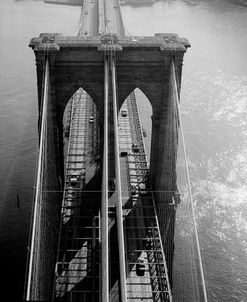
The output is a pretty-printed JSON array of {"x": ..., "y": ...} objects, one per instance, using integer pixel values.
[
  {"x": 148, "y": 235},
  {"x": 109, "y": 63},
  {"x": 204, "y": 290},
  {"x": 38, "y": 190}
]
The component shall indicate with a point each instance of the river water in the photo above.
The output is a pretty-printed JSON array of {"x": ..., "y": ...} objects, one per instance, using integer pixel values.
[{"x": 214, "y": 108}]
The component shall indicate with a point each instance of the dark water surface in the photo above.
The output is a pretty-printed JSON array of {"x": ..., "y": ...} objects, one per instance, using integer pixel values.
[
  {"x": 214, "y": 108},
  {"x": 214, "y": 105}
]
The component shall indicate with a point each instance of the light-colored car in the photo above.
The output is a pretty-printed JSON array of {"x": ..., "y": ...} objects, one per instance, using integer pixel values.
[{"x": 142, "y": 189}]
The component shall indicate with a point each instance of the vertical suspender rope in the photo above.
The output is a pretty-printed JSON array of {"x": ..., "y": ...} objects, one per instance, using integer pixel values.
[
  {"x": 104, "y": 199},
  {"x": 189, "y": 184},
  {"x": 119, "y": 210},
  {"x": 38, "y": 180}
]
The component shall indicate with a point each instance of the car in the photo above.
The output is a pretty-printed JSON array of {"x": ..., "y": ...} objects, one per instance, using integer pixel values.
[
  {"x": 142, "y": 189},
  {"x": 134, "y": 189},
  {"x": 123, "y": 153},
  {"x": 135, "y": 147},
  {"x": 144, "y": 132},
  {"x": 70, "y": 193},
  {"x": 124, "y": 112},
  {"x": 66, "y": 131},
  {"x": 91, "y": 120},
  {"x": 140, "y": 267},
  {"x": 73, "y": 181}
]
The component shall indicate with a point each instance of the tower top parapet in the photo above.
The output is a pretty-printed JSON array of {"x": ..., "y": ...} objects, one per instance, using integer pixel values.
[{"x": 168, "y": 42}]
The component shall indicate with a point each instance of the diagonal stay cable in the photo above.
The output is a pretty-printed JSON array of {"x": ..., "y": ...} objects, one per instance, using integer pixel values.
[{"x": 173, "y": 78}]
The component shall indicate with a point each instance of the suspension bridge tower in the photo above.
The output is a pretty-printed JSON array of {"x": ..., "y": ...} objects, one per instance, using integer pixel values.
[{"x": 103, "y": 217}]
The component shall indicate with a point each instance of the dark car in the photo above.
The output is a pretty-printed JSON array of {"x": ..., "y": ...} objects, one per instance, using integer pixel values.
[
  {"x": 140, "y": 267},
  {"x": 135, "y": 147}
]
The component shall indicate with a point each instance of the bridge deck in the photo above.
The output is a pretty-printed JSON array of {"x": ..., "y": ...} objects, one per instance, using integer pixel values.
[{"x": 78, "y": 265}]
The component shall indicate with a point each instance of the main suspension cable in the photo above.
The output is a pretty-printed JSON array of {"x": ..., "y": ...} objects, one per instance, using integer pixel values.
[{"x": 188, "y": 181}]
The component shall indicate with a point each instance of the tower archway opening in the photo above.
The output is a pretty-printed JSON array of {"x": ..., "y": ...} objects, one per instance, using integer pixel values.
[
  {"x": 81, "y": 138},
  {"x": 145, "y": 113},
  {"x": 136, "y": 104}
]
